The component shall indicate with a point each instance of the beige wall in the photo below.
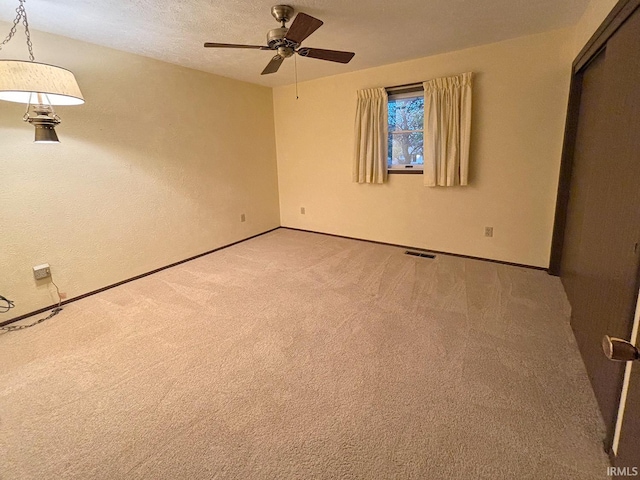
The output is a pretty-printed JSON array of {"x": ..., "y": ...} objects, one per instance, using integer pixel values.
[
  {"x": 157, "y": 166},
  {"x": 595, "y": 13},
  {"x": 520, "y": 99}
]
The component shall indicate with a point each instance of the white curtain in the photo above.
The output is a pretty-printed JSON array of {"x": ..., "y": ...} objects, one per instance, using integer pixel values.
[
  {"x": 447, "y": 127},
  {"x": 370, "y": 154}
]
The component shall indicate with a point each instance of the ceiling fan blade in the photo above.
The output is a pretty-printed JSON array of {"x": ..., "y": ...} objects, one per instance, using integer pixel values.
[
  {"x": 330, "y": 55},
  {"x": 303, "y": 26},
  {"x": 273, "y": 65},
  {"x": 233, "y": 45}
]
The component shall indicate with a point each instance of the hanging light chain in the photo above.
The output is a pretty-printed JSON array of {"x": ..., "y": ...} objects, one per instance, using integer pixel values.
[
  {"x": 21, "y": 14},
  {"x": 12, "y": 32},
  {"x": 25, "y": 22}
]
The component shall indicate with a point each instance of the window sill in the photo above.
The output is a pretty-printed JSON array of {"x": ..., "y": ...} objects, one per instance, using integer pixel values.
[{"x": 405, "y": 172}]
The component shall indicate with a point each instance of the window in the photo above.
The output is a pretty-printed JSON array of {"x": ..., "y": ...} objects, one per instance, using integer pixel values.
[{"x": 406, "y": 131}]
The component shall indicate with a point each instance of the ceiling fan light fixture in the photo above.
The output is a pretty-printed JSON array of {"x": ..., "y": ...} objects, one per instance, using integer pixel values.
[{"x": 285, "y": 52}]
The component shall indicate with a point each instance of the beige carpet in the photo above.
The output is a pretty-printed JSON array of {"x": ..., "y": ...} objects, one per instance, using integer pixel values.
[{"x": 304, "y": 356}]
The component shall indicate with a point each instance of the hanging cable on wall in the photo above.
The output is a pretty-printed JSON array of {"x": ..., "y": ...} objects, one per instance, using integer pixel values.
[
  {"x": 5, "y": 304},
  {"x": 10, "y": 305}
]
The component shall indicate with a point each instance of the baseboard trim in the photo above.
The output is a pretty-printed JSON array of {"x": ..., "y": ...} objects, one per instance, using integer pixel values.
[
  {"x": 137, "y": 277},
  {"x": 532, "y": 267},
  {"x": 142, "y": 275}
]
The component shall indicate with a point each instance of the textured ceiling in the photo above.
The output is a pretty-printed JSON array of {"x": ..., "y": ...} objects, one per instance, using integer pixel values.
[{"x": 380, "y": 32}]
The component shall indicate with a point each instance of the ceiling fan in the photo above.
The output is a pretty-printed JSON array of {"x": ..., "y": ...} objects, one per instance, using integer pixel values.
[{"x": 286, "y": 41}]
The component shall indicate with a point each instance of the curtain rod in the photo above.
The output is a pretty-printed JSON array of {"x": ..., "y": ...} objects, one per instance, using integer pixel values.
[{"x": 406, "y": 85}]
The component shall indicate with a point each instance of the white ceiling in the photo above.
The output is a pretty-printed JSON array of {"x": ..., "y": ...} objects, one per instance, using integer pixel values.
[{"x": 380, "y": 32}]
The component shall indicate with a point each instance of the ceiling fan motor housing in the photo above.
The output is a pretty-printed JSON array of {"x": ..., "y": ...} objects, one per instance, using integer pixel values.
[{"x": 275, "y": 37}]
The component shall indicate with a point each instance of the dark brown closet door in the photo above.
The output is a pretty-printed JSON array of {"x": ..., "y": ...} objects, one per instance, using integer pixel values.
[
  {"x": 624, "y": 54},
  {"x": 600, "y": 258}
]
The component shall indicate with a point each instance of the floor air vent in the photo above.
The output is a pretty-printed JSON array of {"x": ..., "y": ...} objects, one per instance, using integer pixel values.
[{"x": 420, "y": 254}]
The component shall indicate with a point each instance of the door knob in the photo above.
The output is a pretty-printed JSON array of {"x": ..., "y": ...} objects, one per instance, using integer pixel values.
[{"x": 619, "y": 350}]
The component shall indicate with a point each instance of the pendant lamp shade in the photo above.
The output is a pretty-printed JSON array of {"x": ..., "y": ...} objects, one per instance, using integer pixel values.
[{"x": 22, "y": 81}]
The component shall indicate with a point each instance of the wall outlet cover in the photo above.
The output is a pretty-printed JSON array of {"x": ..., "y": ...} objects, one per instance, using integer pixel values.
[
  {"x": 41, "y": 271},
  {"x": 243, "y": 218},
  {"x": 488, "y": 231},
  {"x": 302, "y": 210}
]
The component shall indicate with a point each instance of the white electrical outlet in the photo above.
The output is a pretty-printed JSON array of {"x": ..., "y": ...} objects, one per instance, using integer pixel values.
[
  {"x": 41, "y": 271},
  {"x": 488, "y": 231},
  {"x": 243, "y": 218},
  {"x": 302, "y": 210}
]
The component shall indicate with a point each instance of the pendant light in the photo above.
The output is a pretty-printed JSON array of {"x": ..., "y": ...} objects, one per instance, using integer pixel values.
[{"x": 39, "y": 85}]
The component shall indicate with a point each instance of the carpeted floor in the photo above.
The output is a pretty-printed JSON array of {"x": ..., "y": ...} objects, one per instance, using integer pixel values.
[{"x": 304, "y": 356}]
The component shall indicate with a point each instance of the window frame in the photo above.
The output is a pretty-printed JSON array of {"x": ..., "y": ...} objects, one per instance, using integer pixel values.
[{"x": 400, "y": 92}]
